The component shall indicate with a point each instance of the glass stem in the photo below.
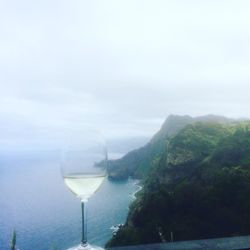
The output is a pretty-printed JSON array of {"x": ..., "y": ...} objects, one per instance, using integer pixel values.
[{"x": 84, "y": 224}]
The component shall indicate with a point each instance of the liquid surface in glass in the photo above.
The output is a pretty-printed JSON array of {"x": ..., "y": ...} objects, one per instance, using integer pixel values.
[{"x": 83, "y": 185}]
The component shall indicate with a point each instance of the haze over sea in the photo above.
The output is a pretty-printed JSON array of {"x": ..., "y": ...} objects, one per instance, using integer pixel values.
[{"x": 35, "y": 202}]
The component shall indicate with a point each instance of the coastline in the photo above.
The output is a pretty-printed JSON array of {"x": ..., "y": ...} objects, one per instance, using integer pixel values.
[
  {"x": 135, "y": 183},
  {"x": 139, "y": 188}
]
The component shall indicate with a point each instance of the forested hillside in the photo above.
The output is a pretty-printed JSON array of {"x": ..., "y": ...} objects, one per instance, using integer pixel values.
[
  {"x": 137, "y": 163},
  {"x": 198, "y": 188}
]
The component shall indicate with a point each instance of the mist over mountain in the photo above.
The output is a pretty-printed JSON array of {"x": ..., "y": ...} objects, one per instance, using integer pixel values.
[
  {"x": 121, "y": 146},
  {"x": 137, "y": 163}
]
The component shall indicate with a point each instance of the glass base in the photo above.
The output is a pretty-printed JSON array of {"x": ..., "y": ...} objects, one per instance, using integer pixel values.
[{"x": 85, "y": 247}]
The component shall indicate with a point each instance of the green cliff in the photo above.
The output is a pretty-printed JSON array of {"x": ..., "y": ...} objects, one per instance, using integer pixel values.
[
  {"x": 138, "y": 163},
  {"x": 198, "y": 188}
]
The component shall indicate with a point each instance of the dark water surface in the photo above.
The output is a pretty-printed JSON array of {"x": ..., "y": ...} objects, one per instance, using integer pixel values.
[{"x": 35, "y": 202}]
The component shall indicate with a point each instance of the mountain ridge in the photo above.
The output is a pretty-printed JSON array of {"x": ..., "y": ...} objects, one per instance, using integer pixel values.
[{"x": 138, "y": 162}]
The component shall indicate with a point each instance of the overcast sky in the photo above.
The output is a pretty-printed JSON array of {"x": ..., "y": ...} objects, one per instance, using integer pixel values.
[{"x": 119, "y": 65}]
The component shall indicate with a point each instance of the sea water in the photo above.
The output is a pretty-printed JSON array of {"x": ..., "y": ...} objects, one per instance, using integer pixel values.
[{"x": 44, "y": 213}]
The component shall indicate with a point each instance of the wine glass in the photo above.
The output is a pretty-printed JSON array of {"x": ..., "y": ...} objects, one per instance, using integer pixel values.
[{"x": 83, "y": 167}]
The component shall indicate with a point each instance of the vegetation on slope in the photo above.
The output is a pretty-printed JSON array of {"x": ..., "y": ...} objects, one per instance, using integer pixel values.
[
  {"x": 138, "y": 163},
  {"x": 199, "y": 188}
]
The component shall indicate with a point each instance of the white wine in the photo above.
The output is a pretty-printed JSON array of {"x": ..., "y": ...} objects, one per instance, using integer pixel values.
[{"x": 83, "y": 186}]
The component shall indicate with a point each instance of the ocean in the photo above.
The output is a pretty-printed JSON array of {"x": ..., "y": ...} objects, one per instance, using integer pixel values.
[{"x": 36, "y": 204}]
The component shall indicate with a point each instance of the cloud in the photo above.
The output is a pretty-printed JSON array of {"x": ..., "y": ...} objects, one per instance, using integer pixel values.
[{"x": 122, "y": 66}]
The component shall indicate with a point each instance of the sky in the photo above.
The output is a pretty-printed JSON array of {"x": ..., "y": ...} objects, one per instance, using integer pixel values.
[{"x": 121, "y": 66}]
